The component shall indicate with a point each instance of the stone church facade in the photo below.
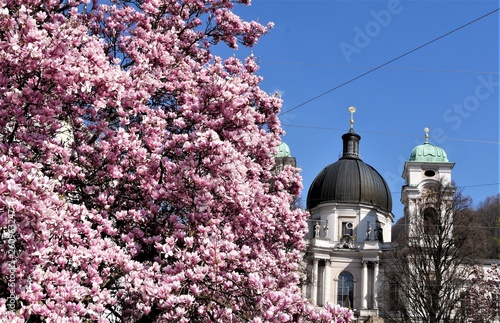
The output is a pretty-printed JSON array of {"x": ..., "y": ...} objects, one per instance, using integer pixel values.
[{"x": 350, "y": 224}]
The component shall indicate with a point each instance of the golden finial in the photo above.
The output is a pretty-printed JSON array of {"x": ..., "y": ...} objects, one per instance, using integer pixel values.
[
  {"x": 426, "y": 134},
  {"x": 352, "y": 110}
]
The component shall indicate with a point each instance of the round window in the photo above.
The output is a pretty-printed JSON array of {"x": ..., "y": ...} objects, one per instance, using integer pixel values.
[{"x": 429, "y": 173}]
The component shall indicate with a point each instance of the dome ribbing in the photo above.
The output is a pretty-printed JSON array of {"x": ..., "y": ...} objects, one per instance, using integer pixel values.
[
  {"x": 428, "y": 153},
  {"x": 283, "y": 150},
  {"x": 350, "y": 180}
]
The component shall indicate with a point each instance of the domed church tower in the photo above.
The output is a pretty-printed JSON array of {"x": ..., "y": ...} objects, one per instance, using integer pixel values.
[
  {"x": 284, "y": 157},
  {"x": 349, "y": 227},
  {"x": 427, "y": 166}
]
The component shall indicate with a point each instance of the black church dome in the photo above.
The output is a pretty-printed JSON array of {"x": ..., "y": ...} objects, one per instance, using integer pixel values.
[{"x": 350, "y": 180}]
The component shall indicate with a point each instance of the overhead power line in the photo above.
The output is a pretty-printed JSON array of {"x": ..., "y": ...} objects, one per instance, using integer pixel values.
[
  {"x": 388, "y": 62},
  {"x": 419, "y": 69},
  {"x": 465, "y": 186},
  {"x": 393, "y": 134}
]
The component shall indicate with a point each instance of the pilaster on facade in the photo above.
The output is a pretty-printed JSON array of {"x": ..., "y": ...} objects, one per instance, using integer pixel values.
[
  {"x": 375, "y": 284},
  {"x": 314, "y": 276},
  {"x": 364, "y": 284},
  {"x": 328, "y": 281}
]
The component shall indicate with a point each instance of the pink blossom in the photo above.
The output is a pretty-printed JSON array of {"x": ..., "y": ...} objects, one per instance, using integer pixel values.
[{"x": 137, "y": 168}]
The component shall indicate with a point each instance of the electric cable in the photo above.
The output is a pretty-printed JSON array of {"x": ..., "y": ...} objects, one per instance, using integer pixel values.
[
  {"x": 392, "y": 134},
  {"x": 388, "y": 62}
]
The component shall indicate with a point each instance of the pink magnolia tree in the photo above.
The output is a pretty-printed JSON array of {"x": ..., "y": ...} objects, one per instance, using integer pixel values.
[
  {"x": 136, "y": 180},
  {"x": 482, "y": 300}
]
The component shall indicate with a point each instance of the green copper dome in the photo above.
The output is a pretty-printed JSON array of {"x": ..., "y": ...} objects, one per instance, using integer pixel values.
[
  {"x": 428, "y": 153},
  {"x": 283, "y": 150}
]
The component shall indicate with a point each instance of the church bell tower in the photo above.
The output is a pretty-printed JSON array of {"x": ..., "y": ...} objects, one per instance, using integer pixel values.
[{"x": 428, "y": 168}]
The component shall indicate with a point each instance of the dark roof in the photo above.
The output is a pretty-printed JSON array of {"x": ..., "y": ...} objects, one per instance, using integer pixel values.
[{"x": 350, "y": 180}]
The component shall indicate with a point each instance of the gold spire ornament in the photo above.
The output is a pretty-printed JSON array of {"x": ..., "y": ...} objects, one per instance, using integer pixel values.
[
  {"x": 352, "y": 110},
  {"x": 426, "y": 134}
]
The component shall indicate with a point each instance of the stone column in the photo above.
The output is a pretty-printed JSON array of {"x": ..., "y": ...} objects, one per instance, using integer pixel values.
[
  {"x": 327, "y": 284},
  {"x": 375, "y": 284},
  {"x": 364, "y": 285},
  {"x": 314, "y": 295}
]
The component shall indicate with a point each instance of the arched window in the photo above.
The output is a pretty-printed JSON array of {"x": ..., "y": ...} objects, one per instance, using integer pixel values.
[{"x": 345, "y": 289}]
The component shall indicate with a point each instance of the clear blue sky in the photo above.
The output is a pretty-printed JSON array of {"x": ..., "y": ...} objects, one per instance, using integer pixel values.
[{"x": 450, "y": 86}]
